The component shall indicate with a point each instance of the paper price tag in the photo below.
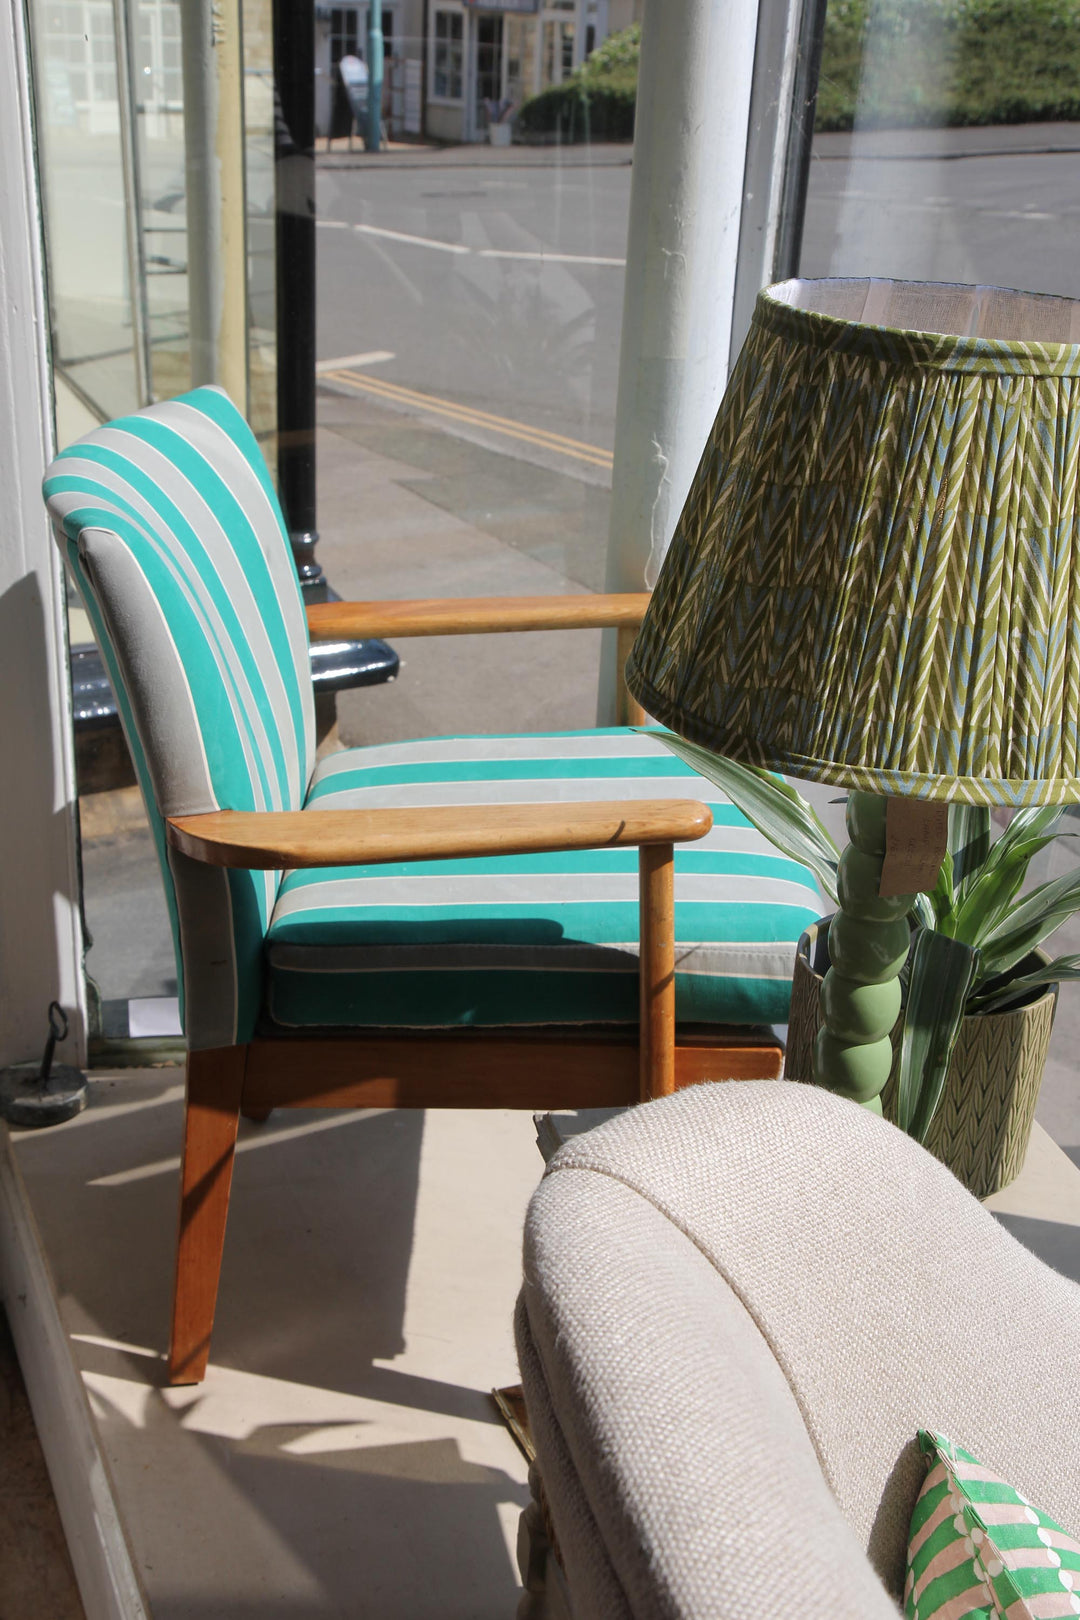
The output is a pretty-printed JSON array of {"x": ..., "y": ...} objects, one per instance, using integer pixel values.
[{"x": 916, "y": 839}]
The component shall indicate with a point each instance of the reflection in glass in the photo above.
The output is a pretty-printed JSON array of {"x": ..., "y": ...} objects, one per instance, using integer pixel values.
[
  {"x": 109, "y": 97},
  {"x": 491, "y": 299},
  {"x": 259, "y": 186},
  {"x": 81, "y": 157},
  {"x": 946, "y": 146},
  {"x": 158, "y": 94}
]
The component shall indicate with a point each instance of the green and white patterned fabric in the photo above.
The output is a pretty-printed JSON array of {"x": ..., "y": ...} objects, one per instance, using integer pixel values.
[
  {"x": 171, "y": 526},
  {"x": 872, "y": 582},
  {"x": 979, "y": 1550},
  {"x": 175, "y": 537},
  {"x": 530, "y": 939}
]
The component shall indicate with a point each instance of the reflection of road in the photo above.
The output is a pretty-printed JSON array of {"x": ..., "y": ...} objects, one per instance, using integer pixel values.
[
  {"x": 497, "y": 284},
  {"x": 445, "y": 410},
  {"x": 498, "y": 288},
  {"x": 998, "y": 205}
]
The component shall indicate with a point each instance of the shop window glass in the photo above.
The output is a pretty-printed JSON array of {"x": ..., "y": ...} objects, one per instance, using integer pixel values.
[
  {"x": 108, "y": 87},
  {"x": 946, "y": 143},
  {"x": 448, "y": 59}
]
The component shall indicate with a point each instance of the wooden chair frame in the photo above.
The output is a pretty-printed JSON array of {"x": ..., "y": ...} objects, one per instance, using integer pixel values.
[{"x": 462, "y": 1069}]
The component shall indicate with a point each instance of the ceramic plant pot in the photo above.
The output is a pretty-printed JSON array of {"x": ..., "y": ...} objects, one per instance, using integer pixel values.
[
  {"x": 984, "y": 1119},
  {"x": 499, "y": 134}
]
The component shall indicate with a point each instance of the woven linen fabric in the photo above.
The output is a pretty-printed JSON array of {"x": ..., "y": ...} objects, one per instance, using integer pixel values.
[
  {"x": 174, "y": 535},
  {"x": 873, "y": 580},
  {"x": 537, "y": 938},
  {"x": 886, "y": 1299},
  {"x": 980, "y": 1549}
]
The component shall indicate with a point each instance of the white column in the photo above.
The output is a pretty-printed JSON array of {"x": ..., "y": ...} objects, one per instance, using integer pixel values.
[
  {"x": 40, "y": 934},
  {"x": 697, "y": 60}
]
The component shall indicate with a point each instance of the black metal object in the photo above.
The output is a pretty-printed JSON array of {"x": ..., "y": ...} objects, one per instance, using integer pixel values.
[
  {"x": 101, "y": 752},
  {"x": 336, "y": 666},
  {"x": 294, "y": 152},
  {"x": 45, "y": 1093}
]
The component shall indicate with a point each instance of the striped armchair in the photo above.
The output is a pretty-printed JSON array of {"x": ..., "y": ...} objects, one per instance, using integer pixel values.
[{"x": 436, "y": 923}]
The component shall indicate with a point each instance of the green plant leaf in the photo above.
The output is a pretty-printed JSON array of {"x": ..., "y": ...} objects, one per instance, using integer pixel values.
[
  {"x": 776, "y": 809},
  {"x": 925, "y": 911},
  {"x": 998, "y": 997},
  {"x": 990, "y": 893},
  {"x": 1030, "y": 922},
  {"x": 943, "y": 894},
  {"x": 1037, "y": 821},
  {"x": 941, "y": 973},
  {"x": 969, "y": 839}
]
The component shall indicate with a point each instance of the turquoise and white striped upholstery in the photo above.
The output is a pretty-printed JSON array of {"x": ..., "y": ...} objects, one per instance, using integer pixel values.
[
  {"x": 176, "y": 539},
  {"x": 530, "y": 939},
  {"x": 173, "y": 531}
]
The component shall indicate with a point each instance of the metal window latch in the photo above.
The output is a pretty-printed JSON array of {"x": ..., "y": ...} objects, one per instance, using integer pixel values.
[{"x": 44, "y": 1093}]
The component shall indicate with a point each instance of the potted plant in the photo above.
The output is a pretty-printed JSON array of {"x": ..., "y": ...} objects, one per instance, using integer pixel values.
[
  {"x": 979, "y": 995},
  {"x": 498, "y": 117}
]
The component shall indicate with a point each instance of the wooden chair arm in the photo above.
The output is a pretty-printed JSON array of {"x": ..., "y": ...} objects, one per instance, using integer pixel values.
[
  {"x": 273, "y": 840},
  {"x": 474, "y": 615}
]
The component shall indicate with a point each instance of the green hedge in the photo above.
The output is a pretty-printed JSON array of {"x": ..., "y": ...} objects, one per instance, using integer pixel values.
[
  {"x": 575, "y": 111},
  {"x": 904, "y": 62},
  {"x": 594, "y": 104},
  {"x": 893, "y": 63}
]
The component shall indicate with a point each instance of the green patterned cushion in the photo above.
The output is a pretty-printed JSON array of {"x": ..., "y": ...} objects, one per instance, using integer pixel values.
[
  {"x": 979, "y": 1549},
  {"x": 530, "y": 939}
]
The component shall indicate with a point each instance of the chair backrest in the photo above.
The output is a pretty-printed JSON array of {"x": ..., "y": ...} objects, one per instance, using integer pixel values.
[{"x": 173, "y": 531}]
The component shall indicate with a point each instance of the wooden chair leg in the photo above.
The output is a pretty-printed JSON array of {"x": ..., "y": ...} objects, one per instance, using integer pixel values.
[
  {"x": 656, "y": 867},
  {"x": 257, "y": 1116},
  {"x": 215, "y": 1081}
]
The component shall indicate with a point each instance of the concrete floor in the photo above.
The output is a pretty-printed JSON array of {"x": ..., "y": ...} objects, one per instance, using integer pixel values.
[{"x": 342, "y": 1460}]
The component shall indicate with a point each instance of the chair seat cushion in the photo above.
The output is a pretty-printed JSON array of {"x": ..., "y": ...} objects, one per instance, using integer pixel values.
[{"x": 530, "y": 939}]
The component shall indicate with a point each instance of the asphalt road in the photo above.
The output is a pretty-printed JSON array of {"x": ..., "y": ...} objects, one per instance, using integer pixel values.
[
  {"x": 999, "y": 205},
  {"x": 494, "y": 285}
]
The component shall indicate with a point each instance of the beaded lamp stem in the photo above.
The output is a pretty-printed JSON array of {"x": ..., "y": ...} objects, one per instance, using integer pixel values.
[{"x": 868, "y": 944}]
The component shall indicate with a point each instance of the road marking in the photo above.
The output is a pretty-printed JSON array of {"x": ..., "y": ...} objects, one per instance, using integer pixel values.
[
  {"x": 539, "y": 255},
  {"x": 416, "y": 241},
  {"x": 540, "y": 438},
  {"x": 548, "y": 258},
  {"x": 934, "y": 205},
  {"x": 373, "y": 357}
]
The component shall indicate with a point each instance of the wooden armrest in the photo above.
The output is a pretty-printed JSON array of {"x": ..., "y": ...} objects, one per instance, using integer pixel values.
[
  {"x": 299, "y": 838},
  {"x": 474, "y": 615}
]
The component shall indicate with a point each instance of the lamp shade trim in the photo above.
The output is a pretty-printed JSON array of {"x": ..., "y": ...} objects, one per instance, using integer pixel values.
[
  {"x": 875, "y": 580},
  {"x": 942, "y": 351}
]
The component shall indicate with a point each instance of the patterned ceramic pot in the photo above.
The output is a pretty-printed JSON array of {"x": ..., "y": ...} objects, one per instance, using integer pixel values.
[{"x": 984, "y": 1119}]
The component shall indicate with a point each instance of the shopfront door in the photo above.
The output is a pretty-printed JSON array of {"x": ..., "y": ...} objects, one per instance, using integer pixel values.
[{"x": 489, "y": 69}]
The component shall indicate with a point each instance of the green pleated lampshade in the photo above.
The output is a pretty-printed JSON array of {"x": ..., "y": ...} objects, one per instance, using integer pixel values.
[{"x": 875, "y": 581}]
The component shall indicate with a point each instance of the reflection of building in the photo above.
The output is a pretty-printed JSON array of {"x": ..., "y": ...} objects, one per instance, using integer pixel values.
[
  {"x": 474, "y": 52},
  {"x": 342, "y": 31}
]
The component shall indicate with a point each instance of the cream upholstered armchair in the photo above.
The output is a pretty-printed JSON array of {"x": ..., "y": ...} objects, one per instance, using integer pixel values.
[
  {"x": 740, "y": 1305},
  {"x": 452, "y": 922}
]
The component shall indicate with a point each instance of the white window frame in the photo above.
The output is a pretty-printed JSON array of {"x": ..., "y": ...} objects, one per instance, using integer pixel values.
[
  {"x": 40, "y": 930},
  {"x": 434, "y": 98}
]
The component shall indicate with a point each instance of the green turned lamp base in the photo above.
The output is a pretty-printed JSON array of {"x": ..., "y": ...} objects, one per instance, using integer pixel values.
[{"x": 869, "y": 939}]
